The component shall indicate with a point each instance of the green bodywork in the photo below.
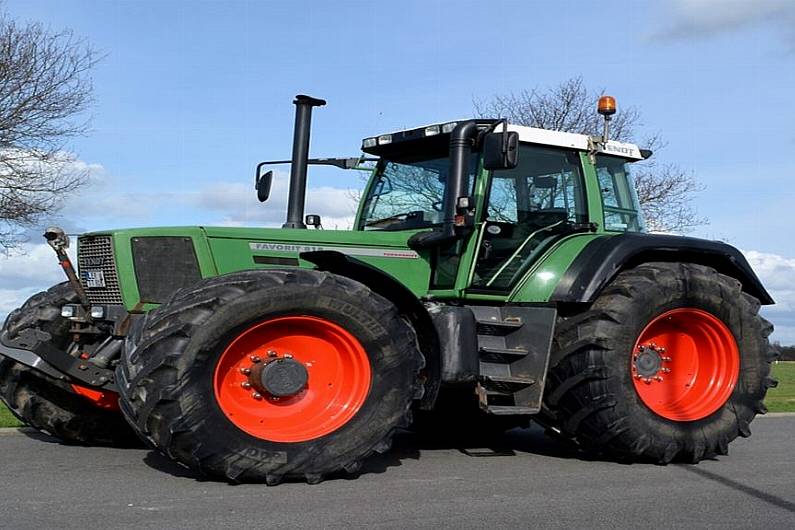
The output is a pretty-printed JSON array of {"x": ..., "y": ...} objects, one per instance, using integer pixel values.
[{"x": 222, "y": 250}]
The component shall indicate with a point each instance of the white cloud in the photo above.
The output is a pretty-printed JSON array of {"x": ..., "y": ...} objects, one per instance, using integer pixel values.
[
  {"x": 705, "y": 18},
  {"x": 25, "y": 271},
  {"x": 225, "y": 203},
  {"x": 237, "y": 205},
  {"x": 778, "y": 275},
  {"x": 30, "y": 264}
]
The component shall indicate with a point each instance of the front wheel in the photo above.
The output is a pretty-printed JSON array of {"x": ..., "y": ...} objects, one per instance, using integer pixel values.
[
  {"x": 671, "y": 362},
  {"x": 73, "y": 413},
  {"x": 271, "y": 375}
]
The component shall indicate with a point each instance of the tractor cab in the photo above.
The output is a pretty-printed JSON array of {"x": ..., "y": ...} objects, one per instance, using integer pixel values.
[{"x": 518, "y": 192}]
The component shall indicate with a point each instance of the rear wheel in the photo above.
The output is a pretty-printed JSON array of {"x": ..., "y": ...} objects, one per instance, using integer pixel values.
[
  {"x": 71, "y": 412},
  {"x": 670, "y": 362},
  {"x": 271, "y": 375}
]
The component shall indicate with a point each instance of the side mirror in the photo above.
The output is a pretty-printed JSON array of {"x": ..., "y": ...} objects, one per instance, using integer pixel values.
[
  {"x": 263, "y": 183},
  {"x": 314, "y": 221},
  {"x": 501, "y": 150}
]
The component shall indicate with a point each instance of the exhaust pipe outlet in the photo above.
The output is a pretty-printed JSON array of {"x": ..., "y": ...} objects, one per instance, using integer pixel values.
[{"x": 297, "y": 193}]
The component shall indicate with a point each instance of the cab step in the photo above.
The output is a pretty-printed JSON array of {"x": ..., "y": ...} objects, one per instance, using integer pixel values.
[
  {"x": 511, "y": 410},
  {"x": 513, "y": 349},
  {"x": 503, "y": 355}
]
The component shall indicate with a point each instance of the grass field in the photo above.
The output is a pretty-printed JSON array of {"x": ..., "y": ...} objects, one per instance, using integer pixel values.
[
  {"x": 6, "y": 418},
  {"x": 781, "y": 399}
]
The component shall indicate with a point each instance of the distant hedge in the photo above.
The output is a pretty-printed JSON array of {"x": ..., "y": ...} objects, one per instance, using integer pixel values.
[{"x": 787, "y": 353}]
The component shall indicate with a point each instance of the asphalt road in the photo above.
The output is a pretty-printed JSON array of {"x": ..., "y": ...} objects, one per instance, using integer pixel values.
[{"x": 47, "y": 485}]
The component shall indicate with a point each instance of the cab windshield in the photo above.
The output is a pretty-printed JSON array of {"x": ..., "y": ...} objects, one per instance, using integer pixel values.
[{"x": 408, "y": 193}]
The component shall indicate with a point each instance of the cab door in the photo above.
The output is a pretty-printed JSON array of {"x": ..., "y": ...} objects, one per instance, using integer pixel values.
[{"x": 528, "y": 209}]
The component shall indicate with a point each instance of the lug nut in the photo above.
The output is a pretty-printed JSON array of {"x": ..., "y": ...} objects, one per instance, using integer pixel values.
[
  {"x": 271, "y": 353},
  {"x": 666, "y": 370},
  {"x": 658, "y": 379},
  {"x": 256, "y": 395},
  {"x": 274, "y": 398},
  {"x": 245, "y": 371},
  {"x": 666, "y": 359},
  {"x": 246, "y": 385},
  {"x": 255, "y": 359},
  {"x": 288, "y": 355}
]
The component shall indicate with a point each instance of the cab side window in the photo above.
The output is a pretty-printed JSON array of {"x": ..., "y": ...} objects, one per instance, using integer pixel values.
[{"x": 619, "y": 200}]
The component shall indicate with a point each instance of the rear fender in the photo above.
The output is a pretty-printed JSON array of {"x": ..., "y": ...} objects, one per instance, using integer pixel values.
[{"x": 603, "y": 258}]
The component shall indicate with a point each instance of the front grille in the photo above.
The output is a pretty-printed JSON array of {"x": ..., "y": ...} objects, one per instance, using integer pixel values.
[
  {"x": 95, "y": 253},
  {"x": 163, "y": 266}
]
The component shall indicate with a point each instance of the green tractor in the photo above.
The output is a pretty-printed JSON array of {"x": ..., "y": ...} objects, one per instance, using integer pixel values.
[{"x": 495, "y": 274}]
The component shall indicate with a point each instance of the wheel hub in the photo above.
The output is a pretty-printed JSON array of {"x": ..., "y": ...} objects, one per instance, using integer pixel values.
[
  {"x": 648, "y": 361},
  {"x": 276, "y": 376},
  {"x": 281, "y": 378}
]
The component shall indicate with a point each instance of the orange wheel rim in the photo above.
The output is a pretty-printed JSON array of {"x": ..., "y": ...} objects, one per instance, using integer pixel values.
[
  {"x": 292, "y": 379},
  {"x": 685, "y": 364}
]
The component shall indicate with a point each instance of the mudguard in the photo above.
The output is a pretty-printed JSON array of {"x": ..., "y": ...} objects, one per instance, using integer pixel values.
[{"x": 603, "y": 258}]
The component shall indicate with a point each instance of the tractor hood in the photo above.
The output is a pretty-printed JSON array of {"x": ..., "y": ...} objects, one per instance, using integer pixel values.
[{"x": 143, "y": 267}]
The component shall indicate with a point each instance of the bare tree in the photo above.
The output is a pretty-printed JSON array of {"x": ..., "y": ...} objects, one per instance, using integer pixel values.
[
  {"x": 44, "y": 90},
  {"x": 665, "y": 191}
]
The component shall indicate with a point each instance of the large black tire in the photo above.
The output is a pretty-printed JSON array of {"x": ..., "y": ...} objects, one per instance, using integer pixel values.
[
  {"x": 590, "y": 395},
  {"x": 167, "y": 370},
  {"x": 51, "y": 405},
  {"x": 43, "y": 311}
]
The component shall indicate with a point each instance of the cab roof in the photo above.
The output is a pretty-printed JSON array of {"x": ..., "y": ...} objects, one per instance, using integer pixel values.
[{"x": 533, "y": 135}]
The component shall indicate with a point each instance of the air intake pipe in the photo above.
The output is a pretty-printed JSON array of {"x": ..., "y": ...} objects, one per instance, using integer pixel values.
[
  {"x": 461, "y": 141},
  {"x": 297, "y": 193}
]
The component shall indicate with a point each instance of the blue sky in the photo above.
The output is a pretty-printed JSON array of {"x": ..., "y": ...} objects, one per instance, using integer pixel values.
[{"x": 191, "y": 94}]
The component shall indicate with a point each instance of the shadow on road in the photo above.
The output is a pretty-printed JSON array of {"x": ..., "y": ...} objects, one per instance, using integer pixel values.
[
  {"x": 739, "y": 486},
  {"x": 410, "y": 446}
]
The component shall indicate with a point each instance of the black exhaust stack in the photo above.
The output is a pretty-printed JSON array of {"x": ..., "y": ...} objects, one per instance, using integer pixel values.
[{"x": 297, "y": 194}]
